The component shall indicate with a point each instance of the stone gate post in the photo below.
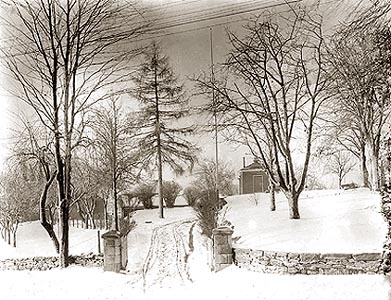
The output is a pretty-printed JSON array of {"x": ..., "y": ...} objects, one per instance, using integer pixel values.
[
  {"x": 112, "y": 251},
  {"x": 222, "y": 248}
]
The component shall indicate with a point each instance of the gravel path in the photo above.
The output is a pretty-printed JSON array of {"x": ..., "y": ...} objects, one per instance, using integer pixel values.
[{"x": 166, "y": 263}]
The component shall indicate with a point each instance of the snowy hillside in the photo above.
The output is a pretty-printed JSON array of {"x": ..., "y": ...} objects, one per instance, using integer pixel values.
[{"x": 331, "y": 221}]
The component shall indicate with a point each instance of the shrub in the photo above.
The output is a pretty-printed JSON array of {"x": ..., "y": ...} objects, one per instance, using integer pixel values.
[
  {"x": 206, "y": 206},
  {"x": 127, "y": 224},
  {"x": 191, "y": 194},
  {"x": 206, "y": 211},
  {"x": 171, "y": 191},
  {"x": 145, "y": 192}
]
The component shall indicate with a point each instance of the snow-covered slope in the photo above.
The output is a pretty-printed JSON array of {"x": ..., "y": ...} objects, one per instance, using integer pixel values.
[{"x": 331, "y": 221}]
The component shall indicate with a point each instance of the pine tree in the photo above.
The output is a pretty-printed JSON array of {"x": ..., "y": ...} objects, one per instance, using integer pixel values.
[{"x": 163, "y": 104}]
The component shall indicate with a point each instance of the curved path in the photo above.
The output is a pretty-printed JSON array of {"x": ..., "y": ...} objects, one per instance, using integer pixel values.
[{"x": 167, "y": 259}]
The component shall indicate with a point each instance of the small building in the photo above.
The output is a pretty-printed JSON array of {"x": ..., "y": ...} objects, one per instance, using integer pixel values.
[{"x": 253, "y": 179}]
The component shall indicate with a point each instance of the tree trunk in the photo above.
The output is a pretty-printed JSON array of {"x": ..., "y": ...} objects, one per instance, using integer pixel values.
[
  {"x": 42, "y": 215},
  {"x": 159, "y": 150},
  {"x": 272, "y": 197},
  {"x": 106, "y": 216},
  {"x": 374, "y": 160},
  {"x": 64, "y": 230},
  {"x": 116, "y": 223},
  {"x": 63, "y": 217},
  {"x": 293, "y": 202},
  {"x": 8, "y": 236},
  {"x": 14, "y": 238},
  {"x": 364, "y": 169},
  {"x": 160, "y": 183},
  {"x": 92, "y": 221}
]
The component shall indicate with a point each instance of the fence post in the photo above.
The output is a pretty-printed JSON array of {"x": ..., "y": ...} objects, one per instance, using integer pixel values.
[{"x": 99, "y": 251}]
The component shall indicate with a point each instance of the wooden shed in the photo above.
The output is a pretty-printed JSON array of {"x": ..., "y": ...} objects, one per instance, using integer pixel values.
[{"x": 253, "y": 179}]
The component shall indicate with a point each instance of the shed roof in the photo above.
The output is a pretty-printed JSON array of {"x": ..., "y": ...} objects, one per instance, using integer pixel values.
[{"x": 254, "y": 165}]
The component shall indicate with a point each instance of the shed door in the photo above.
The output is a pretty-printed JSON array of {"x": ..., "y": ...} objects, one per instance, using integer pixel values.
[{"x": 258, "y": 183}]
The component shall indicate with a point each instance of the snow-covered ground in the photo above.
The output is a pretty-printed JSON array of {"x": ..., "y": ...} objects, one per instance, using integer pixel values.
[
  {"x": 330, "y": 222},
  {"x": 231, "y": 283},
  {"x": 32, "y": 240}
]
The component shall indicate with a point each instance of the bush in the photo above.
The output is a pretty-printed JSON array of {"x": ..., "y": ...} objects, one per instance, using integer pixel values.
[
  {"x": 191, "y": 194},
  {"x": 206, "y": 211},
  {"x": 171, "y": 191},
  {"x": 127, "y": 224},
  {"x": 144, "y": 193}
]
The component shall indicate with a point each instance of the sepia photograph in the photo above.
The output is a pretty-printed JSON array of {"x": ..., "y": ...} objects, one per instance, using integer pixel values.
[{"x": 195, "y": 149}]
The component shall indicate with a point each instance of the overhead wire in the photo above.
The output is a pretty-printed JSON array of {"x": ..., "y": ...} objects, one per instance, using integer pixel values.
[
  {"x": 225, "y": 14},
  {"x": 215, "y": 10},
  {"x": 152, "y": 32}
]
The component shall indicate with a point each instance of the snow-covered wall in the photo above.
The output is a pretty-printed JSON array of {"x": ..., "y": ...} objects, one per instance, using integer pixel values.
[
  {"x": 47, "y": 263},
  {"x": 308, "y": 263}
]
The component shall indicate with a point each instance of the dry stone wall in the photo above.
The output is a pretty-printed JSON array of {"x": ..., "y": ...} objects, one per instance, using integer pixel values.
[
  {"x": 308, "y": 263},
  {"x": 47, "y": 263}
]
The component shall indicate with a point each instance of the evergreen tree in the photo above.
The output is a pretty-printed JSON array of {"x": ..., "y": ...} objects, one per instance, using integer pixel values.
[{"x": 163, "y": 104}]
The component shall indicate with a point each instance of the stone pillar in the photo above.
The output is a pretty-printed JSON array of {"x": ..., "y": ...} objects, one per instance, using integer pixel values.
[
  {"x": 222, "y": 248},
  {"x": 112, "y": 251}
]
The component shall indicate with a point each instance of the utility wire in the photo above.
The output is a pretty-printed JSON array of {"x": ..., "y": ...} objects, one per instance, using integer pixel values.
[
  {"x": 155, "y": 31},
  {"x": 220, "y": 11}
]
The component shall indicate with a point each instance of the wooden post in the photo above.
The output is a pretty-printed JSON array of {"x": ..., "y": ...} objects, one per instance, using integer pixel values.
[{"x": 99, "y": 250}]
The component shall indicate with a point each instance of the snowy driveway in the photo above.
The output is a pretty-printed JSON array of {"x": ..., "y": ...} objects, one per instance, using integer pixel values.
[{"x": 167, "y": 259}]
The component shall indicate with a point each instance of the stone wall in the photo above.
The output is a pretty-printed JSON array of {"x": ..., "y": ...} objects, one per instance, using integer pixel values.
[
  {"x": 308, "y": 263},
  {"x": 47, "y": 263},
  {"x": 386, "y": 211}
]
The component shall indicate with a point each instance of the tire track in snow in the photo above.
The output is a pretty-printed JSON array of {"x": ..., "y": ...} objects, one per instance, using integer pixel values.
[{"x": 167, "y": 258}]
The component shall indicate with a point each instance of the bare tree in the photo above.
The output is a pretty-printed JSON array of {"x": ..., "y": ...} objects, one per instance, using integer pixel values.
[
  {"x": 116, "y": 156},
  {"x": 343, "y": 131},
  {"x": 86, "y": 187},
  {"x": 205, "y": 174},
  {"x": 33, "y": 151},
  {"x": 340, "y": 163},
  {"x": 163, "y": 101},
  {"x": 359, "y": 62},
  {"x": 271, "y": 93},
  {"x": 64, "y": 56},
  {"x": 17, "y": 198}
]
